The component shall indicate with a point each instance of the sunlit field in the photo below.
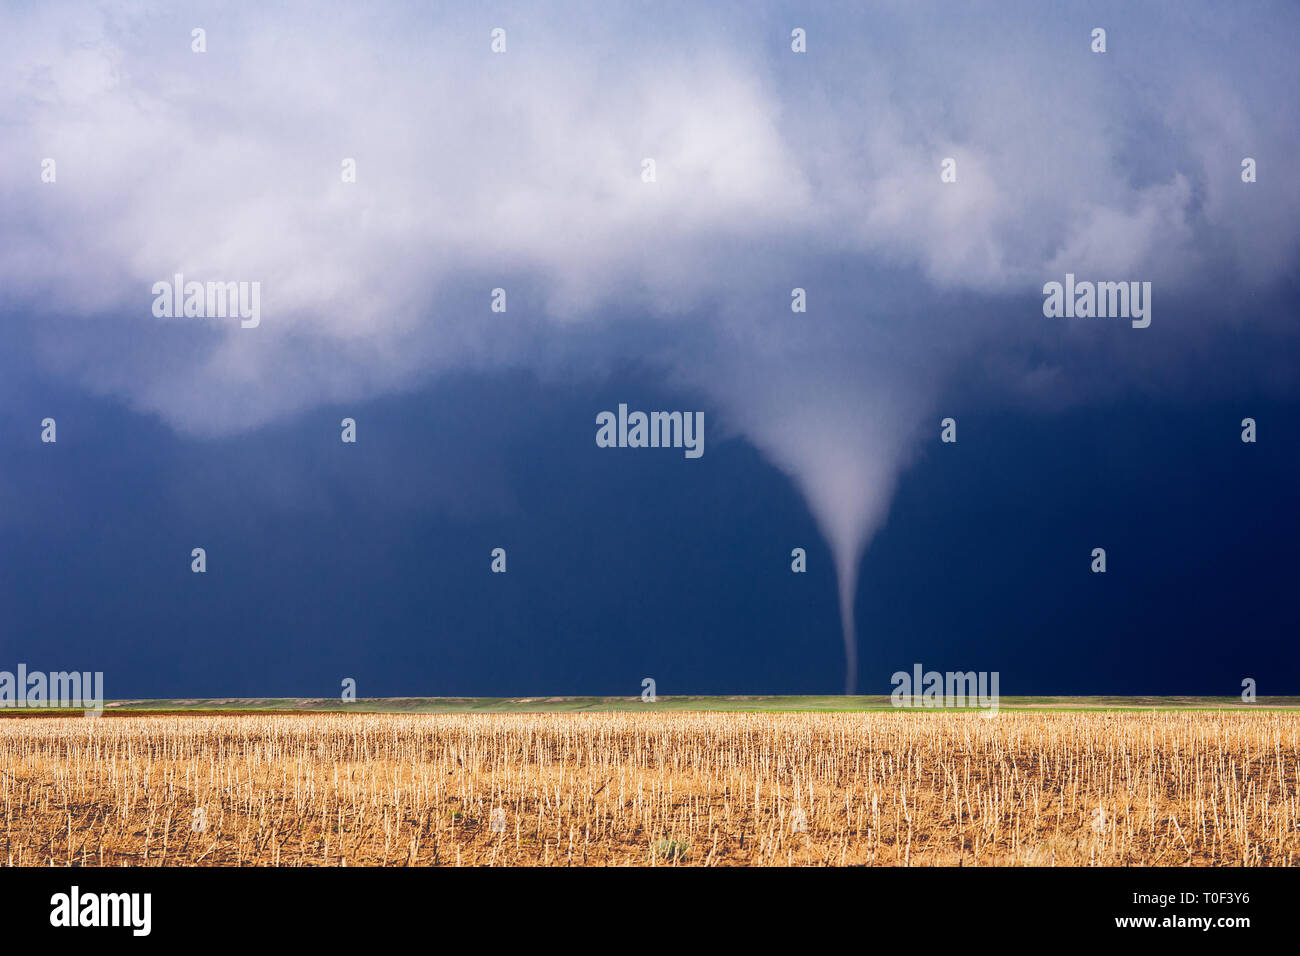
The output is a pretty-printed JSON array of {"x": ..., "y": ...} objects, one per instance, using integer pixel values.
[{"x": 1034, "y": 788}]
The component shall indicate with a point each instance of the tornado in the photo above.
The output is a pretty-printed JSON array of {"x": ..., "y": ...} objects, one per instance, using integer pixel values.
[
  {"x": 847, "y": 579},
  {"x": 843, "y": 431},
  {"x": 848, "y": 483}
]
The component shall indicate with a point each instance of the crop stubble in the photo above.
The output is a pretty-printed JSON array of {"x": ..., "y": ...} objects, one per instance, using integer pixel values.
[{"x": 670, "y": 788}]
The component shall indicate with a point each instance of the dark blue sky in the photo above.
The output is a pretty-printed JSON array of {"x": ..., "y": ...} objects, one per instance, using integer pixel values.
[{"x": 371, "y": 561}]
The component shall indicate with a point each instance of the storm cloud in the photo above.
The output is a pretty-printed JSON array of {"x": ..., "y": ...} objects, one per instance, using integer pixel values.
[{"x": 522, "y": 170}]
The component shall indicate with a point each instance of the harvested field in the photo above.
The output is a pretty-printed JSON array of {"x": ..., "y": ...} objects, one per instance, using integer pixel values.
[{"x": 674, "y": 788}]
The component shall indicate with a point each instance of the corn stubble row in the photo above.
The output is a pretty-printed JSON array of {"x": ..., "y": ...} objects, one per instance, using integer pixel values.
[{"x": 890, "y": 789}]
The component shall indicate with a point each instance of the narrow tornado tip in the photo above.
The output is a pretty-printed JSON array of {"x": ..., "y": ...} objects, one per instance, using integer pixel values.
[{"x": 848, "y": 586}]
